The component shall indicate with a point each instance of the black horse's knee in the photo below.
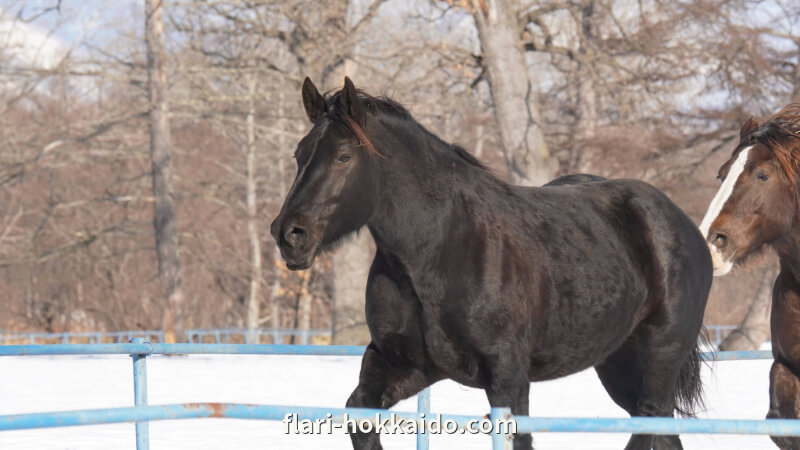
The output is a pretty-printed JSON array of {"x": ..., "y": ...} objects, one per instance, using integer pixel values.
[{"x": 362, "y": 397}]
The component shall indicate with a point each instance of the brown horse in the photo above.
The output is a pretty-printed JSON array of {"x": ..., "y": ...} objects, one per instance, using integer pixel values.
[{"x": 757, "y": 207}]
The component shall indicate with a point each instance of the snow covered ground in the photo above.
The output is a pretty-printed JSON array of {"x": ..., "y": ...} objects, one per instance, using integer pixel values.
[{"x": 38, "y": 384}]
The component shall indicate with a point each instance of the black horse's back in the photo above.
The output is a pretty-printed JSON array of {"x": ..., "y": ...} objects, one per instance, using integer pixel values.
[{"x": 575, "y": 178}]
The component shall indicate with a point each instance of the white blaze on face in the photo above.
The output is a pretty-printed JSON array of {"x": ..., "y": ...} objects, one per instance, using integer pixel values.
[{"x": 721, "y": 266}]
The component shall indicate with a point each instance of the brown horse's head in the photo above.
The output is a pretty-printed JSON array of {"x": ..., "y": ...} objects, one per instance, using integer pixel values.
[{"x": 757, "y": 204}]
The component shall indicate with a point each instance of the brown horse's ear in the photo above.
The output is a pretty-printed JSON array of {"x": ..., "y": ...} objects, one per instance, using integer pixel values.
[
  {"x": 313, "y": 101},
  {"x": 351, "y": 103},
  {"x": 748, "y": 128}
]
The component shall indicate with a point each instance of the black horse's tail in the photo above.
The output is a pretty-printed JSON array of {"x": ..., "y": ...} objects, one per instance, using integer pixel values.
[{"x": 689, "y": 392}]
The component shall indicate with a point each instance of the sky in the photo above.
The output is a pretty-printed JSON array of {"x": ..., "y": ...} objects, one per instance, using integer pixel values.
[{"x": 43, "y": 39}]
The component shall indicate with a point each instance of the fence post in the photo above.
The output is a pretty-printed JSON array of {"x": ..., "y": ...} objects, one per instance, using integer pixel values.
[
  {"x": 500, "y": 441},
  {"x": 424, "y": 407},
  {"x": 140, "y": 395}
]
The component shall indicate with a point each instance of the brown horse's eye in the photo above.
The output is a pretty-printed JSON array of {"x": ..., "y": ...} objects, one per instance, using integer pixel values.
[
  {"x": 343, "y": 158},
  {"x": 762, "y": 176}
]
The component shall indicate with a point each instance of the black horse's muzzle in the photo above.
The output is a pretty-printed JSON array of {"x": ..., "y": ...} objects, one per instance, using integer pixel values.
[{"x": 295, "y": 241}]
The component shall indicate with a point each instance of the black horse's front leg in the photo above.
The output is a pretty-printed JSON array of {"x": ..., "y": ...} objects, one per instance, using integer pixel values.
[
  {"x": 381, "y": 385},
  {"x": 510, "y": 388}
]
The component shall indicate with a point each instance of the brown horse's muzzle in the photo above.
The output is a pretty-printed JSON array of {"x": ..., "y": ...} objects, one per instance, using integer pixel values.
[{"x": 722, "y": 253}]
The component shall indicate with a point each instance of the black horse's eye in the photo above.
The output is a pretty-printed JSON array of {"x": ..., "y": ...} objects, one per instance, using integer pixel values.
[
  {"x": 343, "y": 158},
  {"x": 762, "y": 176}
]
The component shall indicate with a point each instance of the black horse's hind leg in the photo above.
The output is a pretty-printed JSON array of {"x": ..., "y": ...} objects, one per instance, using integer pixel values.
[
  {"x": 381, "y": 385},
  {"x": 510, "y": 387},
  {"x": 662, "y": 357},
  {"x": 621, "y": 375},
  {"x": 784, "y": 390}
]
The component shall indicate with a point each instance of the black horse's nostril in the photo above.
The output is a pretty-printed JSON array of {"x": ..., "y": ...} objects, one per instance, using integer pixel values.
[
  {"x": 296, "y": 235},
  {"x": 719, "y": 240}
]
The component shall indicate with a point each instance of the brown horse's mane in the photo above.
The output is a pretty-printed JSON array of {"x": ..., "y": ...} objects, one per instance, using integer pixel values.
[{"x": 781, "y": 134}]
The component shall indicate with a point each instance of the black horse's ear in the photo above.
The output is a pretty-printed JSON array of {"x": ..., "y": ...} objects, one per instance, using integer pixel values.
[
  {"x": 351, "y": 103},
  {"x": 748, "y": 128},
  {"x": 313, "y": 101}
]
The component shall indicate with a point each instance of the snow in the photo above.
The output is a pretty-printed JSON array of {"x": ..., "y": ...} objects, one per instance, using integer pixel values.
[{"x": 37, "y": 384}]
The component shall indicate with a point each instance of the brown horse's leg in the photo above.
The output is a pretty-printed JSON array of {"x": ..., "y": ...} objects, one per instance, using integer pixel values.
[
  {"x": 381, "y": 385},
  {"x": 784, "y": 389},
  {"x": 510, "y": 388}
]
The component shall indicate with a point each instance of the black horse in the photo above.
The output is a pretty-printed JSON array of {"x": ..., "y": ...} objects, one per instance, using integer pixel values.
[{"x": 494, "y": 285}]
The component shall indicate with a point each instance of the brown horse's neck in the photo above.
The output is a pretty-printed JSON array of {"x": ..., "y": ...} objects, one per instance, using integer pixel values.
[{"x": 788, "y": 249}]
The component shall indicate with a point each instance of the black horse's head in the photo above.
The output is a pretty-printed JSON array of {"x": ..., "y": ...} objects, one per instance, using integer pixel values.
[{"x": 337, "y": 183}]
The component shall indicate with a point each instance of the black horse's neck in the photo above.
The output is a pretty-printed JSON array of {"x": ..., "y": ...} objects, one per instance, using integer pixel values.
[{"x": 427, "y": 183}]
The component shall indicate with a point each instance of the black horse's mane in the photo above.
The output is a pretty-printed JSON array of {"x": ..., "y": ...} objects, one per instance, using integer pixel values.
[{"x": 381, "y": 106}]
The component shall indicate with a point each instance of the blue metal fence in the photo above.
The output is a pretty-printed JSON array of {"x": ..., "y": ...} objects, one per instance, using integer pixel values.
[
  {"x": 256, "y": 336},
  {"x": 141, "y": 413},
  {"x": 91, "y": 337},
  {"x": 197, "y": 335},
  {"x": 716, "y": 334}
]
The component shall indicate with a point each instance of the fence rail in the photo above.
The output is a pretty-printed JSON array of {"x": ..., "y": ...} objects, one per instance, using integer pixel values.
[
  {"x": 197, "y": 335},
  {"x": 716, "y": 334},
  {"x": 256, "y": 336},
  {"x": 525, "y": 424},
  {"x": 142, "y": 413},
  {"x": 90, "y": 337},
  {"x": 147, "y": 348}
]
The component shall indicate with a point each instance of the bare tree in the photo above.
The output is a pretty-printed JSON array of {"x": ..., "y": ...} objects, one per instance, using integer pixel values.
[
  {"x": 253, "y": 299},
  {"x": 754, "y": 328},
  {"x": 652, "y": 90},
  {"x": 164, "y": 223},
  {"x": 513, "y": 92}
]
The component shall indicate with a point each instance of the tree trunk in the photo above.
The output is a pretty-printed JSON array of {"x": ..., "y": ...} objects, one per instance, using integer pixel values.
[
  {"x": 169, "y": 265},
  {"x": 516, "y": 112},
  {"x": 586, "y": 96},
  {"x": 253, "y": 299},
  {"x": 754, "y": 329},
  {"x": 587, "y": 99},
  {"x": 277, "y": 261},
  {"x": 351, "y": 263},
  {"x": 303, "y": 313},
  {"x": 796, "y": 76},
  {"x": 275, "y": 292}
]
